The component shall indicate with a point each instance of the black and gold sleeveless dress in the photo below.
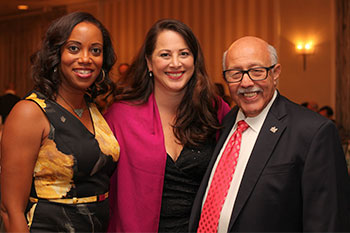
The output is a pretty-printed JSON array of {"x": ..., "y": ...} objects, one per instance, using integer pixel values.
[{"x": 71, "y": 176}]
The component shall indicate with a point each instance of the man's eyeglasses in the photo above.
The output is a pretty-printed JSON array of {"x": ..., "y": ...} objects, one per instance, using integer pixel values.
[{"x": 255, "y": 74}]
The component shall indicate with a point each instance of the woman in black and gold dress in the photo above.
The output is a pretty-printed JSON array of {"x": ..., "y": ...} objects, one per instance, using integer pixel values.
[{"x": 58, "y": 153}]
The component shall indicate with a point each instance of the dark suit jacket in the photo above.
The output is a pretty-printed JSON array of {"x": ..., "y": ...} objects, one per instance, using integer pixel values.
[{"x": 296, "y": 178}]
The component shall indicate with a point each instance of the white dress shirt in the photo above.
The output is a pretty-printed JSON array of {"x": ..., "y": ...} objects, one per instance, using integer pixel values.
[{"x": 248, "y": 140}]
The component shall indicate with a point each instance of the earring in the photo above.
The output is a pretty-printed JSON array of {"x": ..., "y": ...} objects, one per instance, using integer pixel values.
[
  {"x": 55, "y": 69},
  {"x": 150, "y": 74},
  {"x": 103, "y": 77}
]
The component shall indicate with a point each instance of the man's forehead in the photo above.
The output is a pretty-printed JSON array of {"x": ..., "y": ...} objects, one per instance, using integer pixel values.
[{"x": 247, "y": 58}]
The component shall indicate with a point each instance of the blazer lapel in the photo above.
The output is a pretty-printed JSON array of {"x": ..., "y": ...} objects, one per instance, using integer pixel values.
[
  {"x": 267, "y": 139},
  {"x": 228, "y": 122}
]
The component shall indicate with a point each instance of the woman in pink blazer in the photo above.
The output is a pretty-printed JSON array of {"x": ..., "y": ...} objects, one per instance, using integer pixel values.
[{"x": 165, "y": 118}]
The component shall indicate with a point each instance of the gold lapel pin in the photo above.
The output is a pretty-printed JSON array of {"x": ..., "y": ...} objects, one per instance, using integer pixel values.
[
  {"x": 63, "y": 119},
  {"x": 273, "y": 129}
]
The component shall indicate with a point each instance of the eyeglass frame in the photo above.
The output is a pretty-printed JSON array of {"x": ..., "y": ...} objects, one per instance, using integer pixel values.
[{"x": 247, "y": 72}]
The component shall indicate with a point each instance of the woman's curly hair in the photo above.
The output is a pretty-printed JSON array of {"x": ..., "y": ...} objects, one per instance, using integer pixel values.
[{"x": 46, "y": 60}]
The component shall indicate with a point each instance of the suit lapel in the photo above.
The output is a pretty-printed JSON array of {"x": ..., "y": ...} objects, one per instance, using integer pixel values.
[{"x": 268, "y": 137}]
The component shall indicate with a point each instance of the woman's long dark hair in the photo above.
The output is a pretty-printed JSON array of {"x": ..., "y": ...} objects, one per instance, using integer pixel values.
[
  {"x": 45, "y": 62},
  {"x": 196, "y": 117}
]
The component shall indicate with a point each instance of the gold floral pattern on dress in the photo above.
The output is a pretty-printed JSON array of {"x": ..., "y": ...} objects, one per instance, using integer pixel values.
[
  {"x": 53, "y": 172},
  {"x": 103, "y": 134},
  {"x": 39, "y": 101}
]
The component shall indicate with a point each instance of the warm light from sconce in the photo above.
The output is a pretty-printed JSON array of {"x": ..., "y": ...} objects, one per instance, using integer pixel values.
[
  {"x": 305, "y": 48},
  {"x": 22, "y": 7}
]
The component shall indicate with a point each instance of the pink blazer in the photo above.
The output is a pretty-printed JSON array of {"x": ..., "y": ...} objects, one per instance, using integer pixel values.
[{"x": 137, "y": 184}]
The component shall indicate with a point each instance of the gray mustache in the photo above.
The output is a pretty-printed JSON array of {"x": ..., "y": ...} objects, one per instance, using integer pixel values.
[{"x": 247, "y": 90}]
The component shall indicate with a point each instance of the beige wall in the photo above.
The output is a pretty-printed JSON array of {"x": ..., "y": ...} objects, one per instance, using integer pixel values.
[
  {"x": 216, "y": 23},
  {"x": 19, "y": 38},
  {"x": 305, "y": 19}
]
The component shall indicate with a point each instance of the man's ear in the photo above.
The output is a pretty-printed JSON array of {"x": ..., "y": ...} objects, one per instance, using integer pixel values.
[{"x": 276, "y": 72}]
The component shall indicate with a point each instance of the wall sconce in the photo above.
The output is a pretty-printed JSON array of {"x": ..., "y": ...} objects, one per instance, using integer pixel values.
[
  {"x": 22, "y": 7},
  {"x": 305, "y": 49}
]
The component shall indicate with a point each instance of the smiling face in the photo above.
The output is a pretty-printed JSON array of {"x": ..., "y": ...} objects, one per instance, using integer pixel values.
[
  {"x": 251, "y": 96},
  {"x": 82, "y": 57},
  {"x": 172, "y": 63}
]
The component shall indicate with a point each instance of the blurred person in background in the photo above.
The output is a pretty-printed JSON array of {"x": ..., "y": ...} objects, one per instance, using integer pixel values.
[{"x": 8, "y": 100}]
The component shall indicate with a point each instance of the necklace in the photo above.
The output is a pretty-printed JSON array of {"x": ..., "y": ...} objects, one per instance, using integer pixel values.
[{"x": 78, "y": 111}]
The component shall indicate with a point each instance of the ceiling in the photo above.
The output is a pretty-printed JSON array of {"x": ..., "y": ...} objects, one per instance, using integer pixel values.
[{"x": 8, "y": 8}]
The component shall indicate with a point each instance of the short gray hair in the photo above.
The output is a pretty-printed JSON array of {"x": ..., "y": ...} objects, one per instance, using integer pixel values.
[
  {"x": 223, "y": 60},
  {"x": 273, "y": 54}
]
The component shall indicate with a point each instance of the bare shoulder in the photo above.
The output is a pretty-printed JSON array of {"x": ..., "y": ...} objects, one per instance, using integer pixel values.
[
  {"x": 27, "y": 116},
  {"x": 27, "y": 109}
]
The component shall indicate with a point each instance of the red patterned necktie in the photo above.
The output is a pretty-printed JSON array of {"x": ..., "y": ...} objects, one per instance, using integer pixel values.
[{"x": 221, "y": 182}]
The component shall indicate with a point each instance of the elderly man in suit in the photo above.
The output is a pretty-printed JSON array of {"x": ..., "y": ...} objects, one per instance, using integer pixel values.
[{"x": 283, "y": 170}]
